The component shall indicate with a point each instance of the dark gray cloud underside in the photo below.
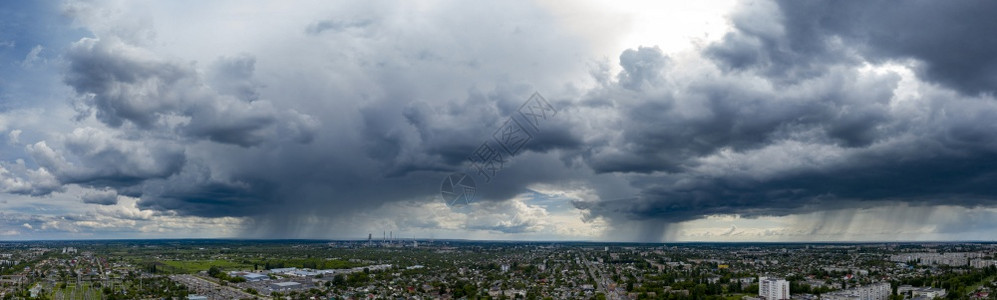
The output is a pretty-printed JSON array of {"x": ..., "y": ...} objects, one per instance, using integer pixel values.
[
  {"x": 946, "y": 160},
  {"x": 951, "y": 40}
]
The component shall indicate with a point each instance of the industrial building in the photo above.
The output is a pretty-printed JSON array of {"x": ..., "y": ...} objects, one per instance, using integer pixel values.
[
  {"x": 921, "y": 292},
  {"x": 283, "y": 286},
  {"x": 255, "y": 276}
]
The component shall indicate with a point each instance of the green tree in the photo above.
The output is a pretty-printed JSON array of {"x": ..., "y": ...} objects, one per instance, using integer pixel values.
[{"x": 213, "y": 271}]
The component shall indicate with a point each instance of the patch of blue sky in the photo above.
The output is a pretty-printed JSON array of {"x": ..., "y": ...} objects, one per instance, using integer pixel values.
[
  {"x": 549, "y": 202},
  {"x": 32, "y": 36}
]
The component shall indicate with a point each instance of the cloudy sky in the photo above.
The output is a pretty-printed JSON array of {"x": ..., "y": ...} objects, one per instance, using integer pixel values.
[{"x": 662, "y": 121}]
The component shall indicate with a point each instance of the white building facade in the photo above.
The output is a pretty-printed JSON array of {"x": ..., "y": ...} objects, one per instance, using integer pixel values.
[
  {"x": 771, "y": 288},
  {"x": 876, "y": 291}
]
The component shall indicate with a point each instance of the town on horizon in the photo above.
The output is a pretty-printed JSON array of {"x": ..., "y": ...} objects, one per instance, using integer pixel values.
[{"x": 444, "y": 269}]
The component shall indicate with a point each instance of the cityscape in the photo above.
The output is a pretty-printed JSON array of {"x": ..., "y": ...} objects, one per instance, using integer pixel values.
[
  {"x": 498, "y": 149},
  {"x": 458, "y": 269}
]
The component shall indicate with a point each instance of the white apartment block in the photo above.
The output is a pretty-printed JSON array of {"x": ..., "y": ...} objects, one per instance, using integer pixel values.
[
  {"x": 771, "y": 288},
  {"x": 877, "y": 291},
  {"x": 929, "y": 258},
  {"x": 982, "y": 263}
]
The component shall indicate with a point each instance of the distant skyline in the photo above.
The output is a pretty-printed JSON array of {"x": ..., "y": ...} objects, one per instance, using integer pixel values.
[{"x": 732, "y": 121}]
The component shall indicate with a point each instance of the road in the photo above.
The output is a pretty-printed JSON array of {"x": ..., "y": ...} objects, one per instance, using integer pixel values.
[
  {"x": 603, "y": 281},
  {"x": 213, "y": 290}
]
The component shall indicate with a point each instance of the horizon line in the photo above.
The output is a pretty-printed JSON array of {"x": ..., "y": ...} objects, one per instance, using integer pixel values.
[{"x": 501, "y": 240}]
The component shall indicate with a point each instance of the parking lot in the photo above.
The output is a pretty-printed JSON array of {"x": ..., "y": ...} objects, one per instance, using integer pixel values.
[{"x": 211, "y": 289}]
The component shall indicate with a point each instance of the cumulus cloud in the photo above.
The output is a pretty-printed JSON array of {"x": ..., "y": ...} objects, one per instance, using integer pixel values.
[
  {"x": 126, "y": 83},
  {"x": 98, "y": 158},
  {"x": 801, "y": 108},
  {"x": 14, "y": 137},
  {"x": 123, "y": 219},
  {"x": 22, "y": 180}
]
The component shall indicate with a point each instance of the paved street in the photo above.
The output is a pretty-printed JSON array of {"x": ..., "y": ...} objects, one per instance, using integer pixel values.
[{"x": 211, "y": 289}]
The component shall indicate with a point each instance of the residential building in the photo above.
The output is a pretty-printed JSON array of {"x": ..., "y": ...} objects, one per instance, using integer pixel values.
[
  {"x": 877, "y": 291},
  {"x": 772, "y": 288}
]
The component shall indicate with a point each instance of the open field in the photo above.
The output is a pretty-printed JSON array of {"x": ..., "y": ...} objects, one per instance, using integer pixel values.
[
  {"x": 194, "y": 266},
  {"x": 72, "y": 291}
]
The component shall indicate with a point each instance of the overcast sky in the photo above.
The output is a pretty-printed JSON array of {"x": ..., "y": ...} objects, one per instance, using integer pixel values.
[{"x": 664, "y": 121}]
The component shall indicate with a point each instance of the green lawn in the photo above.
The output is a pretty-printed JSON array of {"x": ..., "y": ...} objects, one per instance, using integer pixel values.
[
  {"x": 977, "y": 285},
  {"x": 73, "y": 291},
  {"x": 194, "y": 266},
  {"x": 735, "y": 296}
]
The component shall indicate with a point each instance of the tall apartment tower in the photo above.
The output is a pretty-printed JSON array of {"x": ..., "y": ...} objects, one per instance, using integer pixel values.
[{"x": 773, "y": 288}]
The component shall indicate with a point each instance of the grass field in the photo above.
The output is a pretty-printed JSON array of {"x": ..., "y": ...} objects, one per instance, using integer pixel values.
[
  {"x": 977, "y": 285},
  {"x": 735, "y": 296},
  {"x": 194, "y": 266},
  {"x": 72, "y": 291}
]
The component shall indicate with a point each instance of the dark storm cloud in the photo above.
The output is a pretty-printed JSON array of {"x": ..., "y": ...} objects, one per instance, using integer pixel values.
[
  {"x": 669, "y": 126},
  {"x": 209, "y": 199},
  {"x": 125, "y": 83},
  {"x": 234, "y": 76},
  {"x": 401, "y": 105},
  {"x": 791, "y": 125},
  {"x": 555, "y": 136},
  {"x": 767, "y": 41},
  {"x": 159, "y": 114},
  {"x": 951, "y": 40},
  {"x": 776, "y": 118},
  {"x": 952, "y": 181},
  {"x": 439, "y": 137}
]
